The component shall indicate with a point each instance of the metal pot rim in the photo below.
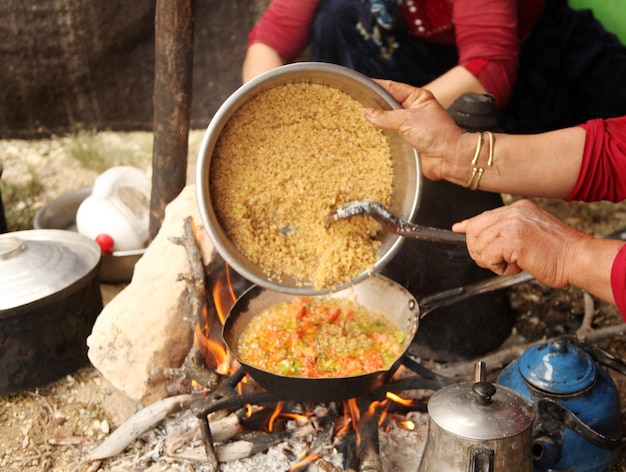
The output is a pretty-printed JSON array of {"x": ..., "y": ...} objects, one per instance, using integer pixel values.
[
  {"x": 407, "y": 171},
  {"x": 36, "y": 264}
]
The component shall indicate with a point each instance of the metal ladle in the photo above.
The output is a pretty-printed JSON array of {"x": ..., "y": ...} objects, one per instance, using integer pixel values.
[{"x": 393, "y": 224}]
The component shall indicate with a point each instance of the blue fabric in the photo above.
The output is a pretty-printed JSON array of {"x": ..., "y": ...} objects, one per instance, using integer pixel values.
[{"x": 338, "y": 37}]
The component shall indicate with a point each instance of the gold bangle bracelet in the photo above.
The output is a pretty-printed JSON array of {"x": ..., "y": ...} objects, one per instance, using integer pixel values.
[
  {"x": 479, "y": 146},
  {"x": 477, "y": 172},
  {"x": 491, "y": 146}
]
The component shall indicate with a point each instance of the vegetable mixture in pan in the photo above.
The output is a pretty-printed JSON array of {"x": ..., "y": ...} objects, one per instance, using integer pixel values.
[{"x": 311, "y": 337}]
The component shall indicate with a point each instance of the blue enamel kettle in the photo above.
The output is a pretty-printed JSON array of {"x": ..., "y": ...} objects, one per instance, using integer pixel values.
[{"x": 578, "y": 424}]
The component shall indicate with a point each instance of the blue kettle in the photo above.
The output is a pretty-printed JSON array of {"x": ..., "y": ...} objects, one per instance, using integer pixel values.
[{"x": 578, "y": 425}]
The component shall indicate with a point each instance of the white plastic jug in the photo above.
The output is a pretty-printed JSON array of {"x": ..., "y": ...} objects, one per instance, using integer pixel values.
[{"x": 118, "y": 206}]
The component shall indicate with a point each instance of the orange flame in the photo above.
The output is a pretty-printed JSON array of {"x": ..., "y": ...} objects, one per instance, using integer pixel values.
[
  {"x": 304, "y": 462},
  {"x": 409, "y": 425},
  {"x": 274, "y": 416},
  {"x": 223, "y": 296},
  {"x": 351, "y": 415},
  {"x": 398, "y": 399},
  {"x": 214, "y": 351}
]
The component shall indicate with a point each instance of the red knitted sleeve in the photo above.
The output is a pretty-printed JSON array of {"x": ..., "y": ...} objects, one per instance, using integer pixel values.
[
  {"x": 285, "y": 27},
  {"x": 618, "y": 280},
  {"x": 603, "y": 169}
]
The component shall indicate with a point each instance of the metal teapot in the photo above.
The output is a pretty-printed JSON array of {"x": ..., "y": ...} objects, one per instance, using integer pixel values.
[
  {"x": 578, "y": 418},
  {"x": 478, "y": 427}
]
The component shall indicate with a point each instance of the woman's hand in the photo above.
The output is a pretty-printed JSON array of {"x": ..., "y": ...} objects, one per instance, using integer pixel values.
[
  {"x": 427, "y": 127},
  {"x": 541, "y": 165},
  {"x": 522, "y": 236}
]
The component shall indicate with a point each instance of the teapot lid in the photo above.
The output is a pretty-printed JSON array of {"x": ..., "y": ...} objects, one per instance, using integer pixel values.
[
  {"x": 558, "y": 367},
  {"x": 481, "y": 411}
]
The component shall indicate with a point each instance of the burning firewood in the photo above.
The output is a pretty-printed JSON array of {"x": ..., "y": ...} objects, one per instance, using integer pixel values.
[
  {"x": 222, "y": 429},
  {"x": 245, "y": 446}
]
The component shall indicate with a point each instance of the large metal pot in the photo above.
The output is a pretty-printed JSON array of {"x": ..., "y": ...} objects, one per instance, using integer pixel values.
[
  {"x": 49, "y": 300},
  {"x": 376, "y": 293},
  {"x": 406, "y": 169}
]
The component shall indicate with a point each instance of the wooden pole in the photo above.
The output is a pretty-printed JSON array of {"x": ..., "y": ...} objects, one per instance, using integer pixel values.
[{"x": 174, "y": 39}]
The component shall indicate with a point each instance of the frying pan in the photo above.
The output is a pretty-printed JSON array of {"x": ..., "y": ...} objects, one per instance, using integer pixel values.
[{"x": 376, "y": 293}]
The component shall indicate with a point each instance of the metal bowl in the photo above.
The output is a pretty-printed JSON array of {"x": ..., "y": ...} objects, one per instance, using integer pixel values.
[
  {"x": 407, "y": 172},
  {"x": 60, "y": 213}
]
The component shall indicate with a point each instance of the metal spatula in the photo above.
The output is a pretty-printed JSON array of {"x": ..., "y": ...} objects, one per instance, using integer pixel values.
[{"x": 393, "y": 224}]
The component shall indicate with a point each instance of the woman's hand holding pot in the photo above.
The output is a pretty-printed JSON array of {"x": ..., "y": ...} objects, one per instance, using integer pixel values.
[{"x": 445, "y": 149}]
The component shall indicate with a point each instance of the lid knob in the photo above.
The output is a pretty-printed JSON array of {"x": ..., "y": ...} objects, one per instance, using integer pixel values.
[
  {"x": 10, "y": 246},
  {"x": 483, "y": 391}
]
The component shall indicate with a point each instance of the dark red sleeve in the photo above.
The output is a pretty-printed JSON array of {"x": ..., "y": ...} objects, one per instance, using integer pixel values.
[
  {"x": 618, "y": 281},
  {"x": 488, "y": 43},
  {"x": 285, "y": 27},
  {"x": 603, "y": 169}
]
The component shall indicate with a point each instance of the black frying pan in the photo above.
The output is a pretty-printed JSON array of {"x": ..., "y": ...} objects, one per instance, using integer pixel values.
[{"x": 376, "y": 293}]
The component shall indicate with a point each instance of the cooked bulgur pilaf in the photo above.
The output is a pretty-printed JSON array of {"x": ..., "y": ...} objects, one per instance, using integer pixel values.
[
  {"x": 283, "y": 162},
  {"x": 320, "y": 338}
]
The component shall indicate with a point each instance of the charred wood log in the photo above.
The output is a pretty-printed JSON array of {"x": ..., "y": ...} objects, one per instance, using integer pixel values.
[
  {"x": 194, "y": 367},
  {"x": 369, "y": 446}
]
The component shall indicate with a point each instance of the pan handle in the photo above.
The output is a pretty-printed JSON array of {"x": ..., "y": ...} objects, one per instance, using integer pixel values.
[
  {"x": 453, "y": 295},
  {"x": 437, "y": 235}
]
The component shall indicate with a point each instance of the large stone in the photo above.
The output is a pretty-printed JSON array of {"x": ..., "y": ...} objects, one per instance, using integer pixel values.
[{"x": 148, "y": 326}]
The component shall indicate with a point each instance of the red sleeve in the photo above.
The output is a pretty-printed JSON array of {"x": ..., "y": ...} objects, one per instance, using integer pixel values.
[
  {"x": 603, "y": 169},
  {"x": 285, "y": 27},
  {"x": 488, "y": 43},
  {"x": 618, "y": 280}
]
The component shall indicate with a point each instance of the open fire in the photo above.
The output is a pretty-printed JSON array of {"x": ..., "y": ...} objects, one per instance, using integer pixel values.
[
  {"x": 245, "y": 427},
  {"x": 350, "y": 426}
]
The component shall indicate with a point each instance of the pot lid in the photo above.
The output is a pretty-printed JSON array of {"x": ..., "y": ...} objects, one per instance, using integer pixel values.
[
  {"x": 481, "y": 411},
  {"x": 38, "y": 263},
  {"x": 558, "y": 367}
]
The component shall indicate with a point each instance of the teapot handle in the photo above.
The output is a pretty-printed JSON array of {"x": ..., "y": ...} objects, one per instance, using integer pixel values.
[
  {"x": 549, "y": 409},
  {"x": 599, "y": 355},
  {"x": 481, "y": 459}
]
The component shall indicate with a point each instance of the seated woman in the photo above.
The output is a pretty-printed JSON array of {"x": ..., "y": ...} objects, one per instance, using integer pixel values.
[{"x": 547, "y": 65}]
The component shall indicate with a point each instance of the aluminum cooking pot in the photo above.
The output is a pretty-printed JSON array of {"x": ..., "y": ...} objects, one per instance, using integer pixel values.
[
  {"x": 49, "y": 299},
  {"x": 406, "y": 170},
  {"x": 377, "y": 294}
]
